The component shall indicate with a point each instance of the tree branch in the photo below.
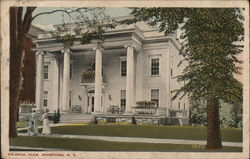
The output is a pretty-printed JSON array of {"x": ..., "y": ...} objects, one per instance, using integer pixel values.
[
  {"x": 26, "y": 19},
  {"x": 58, "y": 10}
]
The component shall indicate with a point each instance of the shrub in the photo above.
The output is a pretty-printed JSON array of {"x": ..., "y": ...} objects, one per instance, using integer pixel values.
[{"x": 133, "y": 120}]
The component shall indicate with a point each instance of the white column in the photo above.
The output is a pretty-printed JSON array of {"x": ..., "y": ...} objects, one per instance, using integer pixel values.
[
  {"x": 55, "y": 85},
  {"x": 66, "y": 80},
  {"x": 98, "y": 79},
  {"x": 130, "y": 79},
  {"x": 39, "y": 80}
]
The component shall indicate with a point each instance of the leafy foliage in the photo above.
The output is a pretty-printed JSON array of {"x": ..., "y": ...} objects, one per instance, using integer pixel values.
[
  {"x": 146, "y": 103},
  {"x": 230, "y": 114},
  {"x": 210, "y": 47},
  {"x": 89, "y": 24},
  {"x": 198, "y": 113}
]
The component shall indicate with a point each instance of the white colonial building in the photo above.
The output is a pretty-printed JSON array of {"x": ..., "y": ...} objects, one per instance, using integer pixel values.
[{"x": 133, "y": 63}]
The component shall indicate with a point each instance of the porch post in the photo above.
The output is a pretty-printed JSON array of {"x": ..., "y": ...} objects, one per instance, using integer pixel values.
[
  {"x": 66, "y": 80},
  {"x": 130, "y": 79},
  {"x": 39, "y": 80},
  {"x": 98, "y": 79}
]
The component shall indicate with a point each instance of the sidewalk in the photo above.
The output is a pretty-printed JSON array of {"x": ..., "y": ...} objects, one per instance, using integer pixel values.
[{"x": 135, "y": 139}]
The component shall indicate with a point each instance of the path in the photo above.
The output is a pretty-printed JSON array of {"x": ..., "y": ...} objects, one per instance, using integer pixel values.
[{"x": 136, "y": 139}]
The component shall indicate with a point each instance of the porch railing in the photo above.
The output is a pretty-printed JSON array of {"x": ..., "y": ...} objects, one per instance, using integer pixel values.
[
  {"x": 114, "y": 109},
  {"x": 75, "y": 109},
  {"x": 142, "y": 110}
]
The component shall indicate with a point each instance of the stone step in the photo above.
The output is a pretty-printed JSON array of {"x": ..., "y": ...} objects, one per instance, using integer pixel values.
[{"x": 75, "y": 118}]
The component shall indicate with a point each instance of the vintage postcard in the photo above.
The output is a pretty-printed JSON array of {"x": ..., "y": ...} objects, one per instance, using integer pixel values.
[{"x": 124, "y": 79}]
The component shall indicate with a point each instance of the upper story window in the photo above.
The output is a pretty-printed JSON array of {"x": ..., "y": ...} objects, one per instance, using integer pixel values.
[
  {"x": 46, "y": 72},
  {"x": 155, "y": 96},
  {"x": 155, "y": 66},
  {"x": 45, "y": 98},
  {"x": 123, "y": 68}
]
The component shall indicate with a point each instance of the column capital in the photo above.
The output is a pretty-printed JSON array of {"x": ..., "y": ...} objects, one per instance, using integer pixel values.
[
  {"x": 66, "y": 50},
  {"x": 41, "y": 52},
  {"x": 132, "y": 45},
  {"x": 98, "y": 47}
]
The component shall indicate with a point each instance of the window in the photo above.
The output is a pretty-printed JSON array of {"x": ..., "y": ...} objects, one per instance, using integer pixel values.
[
  {"x": 123, "y": 99},
  {"x": 155, "y": 66},
  {"x": 155, "y": 96},
  {"x": 45, "y": 98},
  {"x": 123, "y": 68},
  {"x": 70, "y": 100},
  {"x": 171, "y": 72},
  {"x": 179, "y": 105},
  {"x": 184, "y": 106},
  {"x": 71, "y": 71},
  {"x": 46, "y": 72}
]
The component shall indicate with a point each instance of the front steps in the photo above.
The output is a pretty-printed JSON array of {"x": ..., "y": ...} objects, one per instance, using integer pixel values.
[{"x": 76, "y": 118}]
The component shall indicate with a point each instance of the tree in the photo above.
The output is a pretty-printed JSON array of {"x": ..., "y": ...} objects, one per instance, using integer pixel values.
[
  {"x": 19, "y": 27},
  {"x": 210, "y": 47}
]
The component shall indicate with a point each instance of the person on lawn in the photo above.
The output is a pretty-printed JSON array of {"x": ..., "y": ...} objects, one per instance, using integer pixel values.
[
  {"x": 32, "y": 129},
  {"x": 45, "y": 118}
]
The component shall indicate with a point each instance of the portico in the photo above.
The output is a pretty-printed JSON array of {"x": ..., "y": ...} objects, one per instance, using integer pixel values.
[{"x": 93, "y": 89}]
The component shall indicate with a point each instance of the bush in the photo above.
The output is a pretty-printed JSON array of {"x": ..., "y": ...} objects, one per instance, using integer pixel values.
[
  {"x": 94, "y": 120},
  {"x": 56, "y": 117},
  {"x": 198, "y": 113},
  {"x": 133, "y": 120}
]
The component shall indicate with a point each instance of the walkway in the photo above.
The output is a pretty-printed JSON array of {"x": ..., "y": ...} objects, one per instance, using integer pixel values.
[{"x": 136, "y": 139}]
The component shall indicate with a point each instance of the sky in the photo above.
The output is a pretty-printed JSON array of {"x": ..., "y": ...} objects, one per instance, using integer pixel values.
[{"x": 46, "y": 21}]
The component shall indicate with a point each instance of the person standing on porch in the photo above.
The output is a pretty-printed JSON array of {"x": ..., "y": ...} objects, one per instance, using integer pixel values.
[{"x": 45, "y": 118}]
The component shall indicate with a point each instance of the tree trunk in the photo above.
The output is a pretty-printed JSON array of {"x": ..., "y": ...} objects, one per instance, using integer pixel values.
[
  {"x": 13, "y": 48},
  {"x": 18, "y": 29},
  {"x": 213, "y": 125}
]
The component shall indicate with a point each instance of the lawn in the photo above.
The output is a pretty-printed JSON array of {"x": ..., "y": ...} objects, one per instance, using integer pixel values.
[
  {"x": 95, "y": 145},
  {"x": 150, "y": 131},
  {"x": 23, "y": 124}
]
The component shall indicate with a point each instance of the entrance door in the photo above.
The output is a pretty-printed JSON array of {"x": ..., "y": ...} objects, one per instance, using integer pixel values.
[{"x": 92, "y": 103}]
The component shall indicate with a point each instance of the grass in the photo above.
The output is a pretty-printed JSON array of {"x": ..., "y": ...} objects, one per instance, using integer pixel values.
[
  {"x": 95, "y": 145},
  {"x": 23, "y": 124},
  {"x": 150, "y": 131}
]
